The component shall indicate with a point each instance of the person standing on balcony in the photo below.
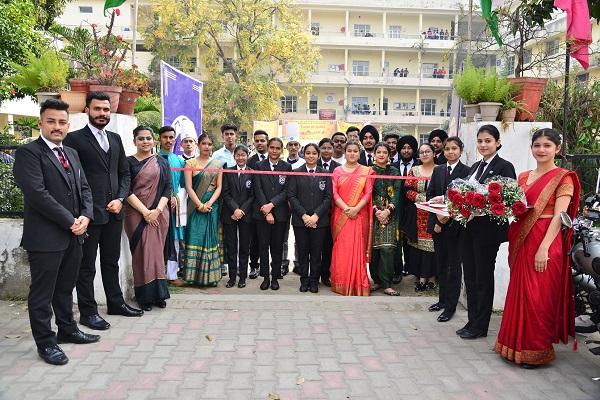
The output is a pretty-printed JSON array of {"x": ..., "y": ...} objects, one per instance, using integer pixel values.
[
  {"x": 436, "y": 139},
  {"x": 369, "y": 136},
  {"x": 339, "y": 142}
]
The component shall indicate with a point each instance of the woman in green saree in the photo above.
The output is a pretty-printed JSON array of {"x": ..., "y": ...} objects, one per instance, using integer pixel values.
[{"x": 203, "y": 260}]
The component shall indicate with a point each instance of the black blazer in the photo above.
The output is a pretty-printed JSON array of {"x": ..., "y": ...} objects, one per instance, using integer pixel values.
[
  {"x": 310, "y": 195},
  {"x": 108, "y": 177},
  {"x": 237, "y": 194},
  {"x": 252, "y": 161},
  {"x": 49, "y": 202},
  {"x": 440, "y": 159},
  {"x": 272, "y": 189},
  {"x": 438, "y": 186},
  {"x": 362, "y": 160},
  {"x": 484, "y": 228},
  {"x": 332, "y": 164}
]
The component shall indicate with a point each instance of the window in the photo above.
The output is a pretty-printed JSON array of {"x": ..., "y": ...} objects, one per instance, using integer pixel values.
[
  {"x": 360, "y": 68},
  {"x": 313, "y": 104},
  {"x": 362, "y": 30},
  {"x": 423, "y": 138},
  {"x": 289, "y": 104},
  {"x": 428, "y": 106},
  {"x": 174, "y": 61},
  {"x": 224, "y": 27},
  {"x": 227, "y": 65},
  {"x": 315, "y": 28},
  {"x": 140, "y": 47},
  {"x": 360, "y": 105},
  {"x": 192, "y": 65},
  {"x": 583, "y": 77},
  {"x": 552, "y": 47},
  {"x": 86, "y": 9},
  {"x": 526, "y": 56},
  {"x": 510, "y": 65},
  {"x": 394, "y": 31},
  {"x": 428, "y": 69}
]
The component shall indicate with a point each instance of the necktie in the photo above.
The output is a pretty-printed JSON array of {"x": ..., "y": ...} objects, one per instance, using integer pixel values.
[
  {"x": 369, "y": 159},
  {"x": 240, "y": 176},
  {"x": 273, "y": 167},
  {"x": 449, "y": 172},
  {"x": 480, "y": 169},
  {"x": 326, "y": 166},
  {"x": 404, "y": 169},
  {"x": 311, "y": 171},
  {"x": 262, "y": 157},
  {"x": 61, "y": 157},
  {"x": 103, "y": 140}
]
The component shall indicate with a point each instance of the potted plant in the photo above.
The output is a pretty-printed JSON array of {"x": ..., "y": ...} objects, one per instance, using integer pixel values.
[
  {"x": 41, "y": 76},
  {"x": 134, "y": 84},
  {"x": 468, "y": 87},
  {"x": 493, "y": 91}
]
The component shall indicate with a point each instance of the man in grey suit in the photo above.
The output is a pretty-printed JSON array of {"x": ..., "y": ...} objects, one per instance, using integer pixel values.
[{"x": 58, "y": 209}]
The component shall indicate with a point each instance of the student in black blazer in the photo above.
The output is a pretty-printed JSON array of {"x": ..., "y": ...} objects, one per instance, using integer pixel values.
[
  {"x": 447, "y": 233},
  {"x": 103, "y": 159},
  {"x": 369, "y": 137},
  {"x": 482, "y": 238},
  {"x": 260, "y": 145},
  {"x": 236, "y": 216},
  {"x": 310, "y": 198},
  {"x": 271, "y": 211},
  {"x": 437, "y": 137},
  {"x": 326, "y": 161},
  {"x": 58, "y": 209}
]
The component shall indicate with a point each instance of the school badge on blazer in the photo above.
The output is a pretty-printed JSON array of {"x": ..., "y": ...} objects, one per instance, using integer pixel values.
[
  {"x": 248, "y": 184},
  {"x": 321, "y": 185},
  {"x": 282, "y": 179}
]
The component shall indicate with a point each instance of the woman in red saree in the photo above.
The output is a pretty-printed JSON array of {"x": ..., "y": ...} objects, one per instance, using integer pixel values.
[
  {"x": 350, "y": 225},
  {"x": 539, "y": 308}
]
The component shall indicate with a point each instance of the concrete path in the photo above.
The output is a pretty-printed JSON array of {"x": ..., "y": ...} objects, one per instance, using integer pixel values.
[{"x": 243, "y": 344}]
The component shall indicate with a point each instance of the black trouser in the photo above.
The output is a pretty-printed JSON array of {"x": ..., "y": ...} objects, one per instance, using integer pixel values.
[
  {"x": 310, "y": 246},
  {"x": 254, "y": 250},
  {"x": 53, "y": 277},
  {"x": 479, "y": 261},
  {"x": 326, "y": 255},
  {"x": 108, "y": 237},
  {"x": 237, "y": 257},
  {"x": 448, "y": 245},
  {"x": 270, "y": 238}
]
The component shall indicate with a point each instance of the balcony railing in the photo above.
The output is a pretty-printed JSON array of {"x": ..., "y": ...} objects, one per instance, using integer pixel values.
[{"x": 390, "y": 116}]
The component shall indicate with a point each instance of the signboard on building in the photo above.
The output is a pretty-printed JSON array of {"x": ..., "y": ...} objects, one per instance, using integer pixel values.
[{"x": 327, "y": 114}]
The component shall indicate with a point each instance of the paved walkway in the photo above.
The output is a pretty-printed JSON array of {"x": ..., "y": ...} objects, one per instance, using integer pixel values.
[{"x": 284, "y": 346}]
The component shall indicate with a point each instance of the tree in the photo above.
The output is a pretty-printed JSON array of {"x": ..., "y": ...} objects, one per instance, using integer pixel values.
[
  {"x": 247, "y": 47},
  {"x": 46, "y": 12}
]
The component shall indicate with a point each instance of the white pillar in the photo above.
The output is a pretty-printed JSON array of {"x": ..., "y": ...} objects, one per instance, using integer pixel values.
[
  {"x": 346, "y": 67},
  {"x": 309, "y": 19},
  {"x": 347, "y": 23},
  {"x": 418, "y": 103},
  {"x": 346, "y": 104},
  {"x": 420, "y": 23},
  {"x": 381, "y": 94},
  {"x": 384, "y": 25},
  {"x": 383, "y": 63}
]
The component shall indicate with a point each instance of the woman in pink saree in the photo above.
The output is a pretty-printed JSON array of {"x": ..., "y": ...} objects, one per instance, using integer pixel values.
[
  {"x": 350, "y": 225},
  {"x": 147, "y": 220}
]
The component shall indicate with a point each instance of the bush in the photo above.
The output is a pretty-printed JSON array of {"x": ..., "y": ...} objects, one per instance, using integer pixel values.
[
  {"x": 494, "y": 88},
  {"x": 468, "y": 83},
  {"x": 46, "y": 73},
  {"x": 11, "y": 198}
]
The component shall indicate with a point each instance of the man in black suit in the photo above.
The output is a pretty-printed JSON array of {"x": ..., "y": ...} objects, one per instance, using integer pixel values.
[
  {"x": 103, "y": 160},
  {"x": 436, "y": 140},
  {"x": 447, "y": 233},
  {"x": 369, "y": 137},
  {"x": 391, "y": 139},
  {"x": 58, "y": 209},
  {"x": 238, "y": 199},
  {"x": 260, "y": 145},
  {"x": 271, "y": 213}
]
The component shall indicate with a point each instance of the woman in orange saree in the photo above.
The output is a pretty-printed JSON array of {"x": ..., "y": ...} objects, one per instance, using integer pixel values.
[
  {"x": 539, "y": 308},
  {"x": 350, "y": 225}
]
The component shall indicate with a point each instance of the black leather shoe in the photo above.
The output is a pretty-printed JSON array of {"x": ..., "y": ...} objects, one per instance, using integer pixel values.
[
  {"x": 285, "y": 270},
  {"x": 53, "y": 355},
  {"x": 146, "y": 307},
  {"x": 161, "y": 304},
  {"x": 529, "y": 366},
  {"x": 314, "y": 287},
  {"x": 469, "y": 335},
  {"x": 95, "y": 322},
  {"x": 445, "y": 316},
  {"x": 463, "y": 329},
  {"x": 435, "y": 307},
  {"x": 77, "y": 337},
  {"x": 397, "y": 279},
  {"x": 241, "y": 284},
  {"x": 304, "y": 288},
  {"x": 125, "y": 310},
  {"x": 405, "y": 273},
  {"x": 253, "y": 273},
  {"x": 265, "y": 284},
  {"x": 326, "y": 282},
  {"x": 230, "y": 284},
  {"x": 274, "y": 284}
]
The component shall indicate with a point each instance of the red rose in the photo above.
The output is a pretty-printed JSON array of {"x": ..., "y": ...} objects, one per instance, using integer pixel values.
[
  {"x": 518, "y": 208},
  {"x": 478, "y": 200},
  {"x": 94, "y": 25},
  {"x": 458, "y": 200},
  {"x": 495, "y": 197},
  {"x": 469, "y": 196},
  {"x": 494, "y": 187},
  {"x": 465, "y": 212},
  {"x": 119, "y": 38},
  {"x": 498, "y": 209},
  {"x": 117, "y": 12},
  {"x": 452, "y": 194}
]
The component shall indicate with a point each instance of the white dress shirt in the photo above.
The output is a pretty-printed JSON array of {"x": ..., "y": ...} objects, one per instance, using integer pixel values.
[{"x": 101, "y": 136}]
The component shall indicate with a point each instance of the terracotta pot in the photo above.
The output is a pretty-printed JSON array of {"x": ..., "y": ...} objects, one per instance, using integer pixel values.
[
  {"x": 43, "y": 96},
  {"x": 530, "y": 95},
  {"x": 509, "y": 115},
  {"x": 79, "y": 85},
  {"x": 75, "y": 100},
  {"x": 113, "y": 91},
  {"x": 127, "y": 101},
  {"x": 489, "y": 110},
  {"x": 471, "y": 110}
]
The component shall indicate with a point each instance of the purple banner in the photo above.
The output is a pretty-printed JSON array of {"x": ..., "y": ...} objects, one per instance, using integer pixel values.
[{"x": 181, "y": 97}]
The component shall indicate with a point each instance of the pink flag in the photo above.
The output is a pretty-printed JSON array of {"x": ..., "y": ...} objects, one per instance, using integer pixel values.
[{"x": 579, "y": 29}]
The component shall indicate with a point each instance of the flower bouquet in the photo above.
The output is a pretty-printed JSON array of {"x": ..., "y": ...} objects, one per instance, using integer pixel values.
[
  {"x": 466, "y": 200},
  {"x": 506, "y": 199}
]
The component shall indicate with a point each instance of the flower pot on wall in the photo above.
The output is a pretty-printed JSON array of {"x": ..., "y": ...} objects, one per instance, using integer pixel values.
[
  {"x": 81, "y": 85},
  {"x": 530, "y": 96},
  {"x": 489, "y": 110},
  {"x": 113, "y": 91},
  {"x": 75, "y": 100},
  {"x": 127, "y": 101},
  {"x": 43, "y": 96},
  {"x": 471, "y": 110},
  {"x": 509, "y": 115}
]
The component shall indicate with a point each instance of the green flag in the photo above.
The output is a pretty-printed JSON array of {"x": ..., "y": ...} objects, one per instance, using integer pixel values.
[
  {"x": 112, "y": 4},
  {"x": 491, "y": 17}
]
